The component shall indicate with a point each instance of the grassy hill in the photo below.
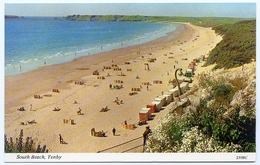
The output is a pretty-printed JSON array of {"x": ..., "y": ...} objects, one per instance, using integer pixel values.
[
  {"x": 238, "y": 46},
  {"x": 202, "y": 21}
]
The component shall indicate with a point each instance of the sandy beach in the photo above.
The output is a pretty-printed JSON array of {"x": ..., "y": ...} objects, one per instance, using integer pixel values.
[{"x": 95, "y": 93}]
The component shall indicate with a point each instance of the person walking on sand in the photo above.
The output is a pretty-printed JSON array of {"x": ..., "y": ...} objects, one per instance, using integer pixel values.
[
  {"x": 30, "y": 107},
  {"x": 114, "y": 131}
]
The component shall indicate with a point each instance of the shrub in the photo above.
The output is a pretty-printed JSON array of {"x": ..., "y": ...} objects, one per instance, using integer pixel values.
[
  {"x": 238, "y": 46},
  {"x": 195, "y": 141},
  {"x": 21, "y": 147}
]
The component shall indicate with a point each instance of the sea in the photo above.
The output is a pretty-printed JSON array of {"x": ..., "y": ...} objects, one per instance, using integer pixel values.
[{"x": 34, "y": 42}]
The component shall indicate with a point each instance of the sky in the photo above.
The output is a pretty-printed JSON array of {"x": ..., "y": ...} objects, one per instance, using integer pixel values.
[{"x": 240, "y": 10}]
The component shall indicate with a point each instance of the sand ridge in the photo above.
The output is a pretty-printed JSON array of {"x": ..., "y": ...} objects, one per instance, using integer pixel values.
[{"x": 189, "y": 42}]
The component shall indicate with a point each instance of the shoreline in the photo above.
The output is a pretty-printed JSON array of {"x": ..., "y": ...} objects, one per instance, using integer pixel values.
[
  {"x": 67, "y": 55},
  {"x": 95, "y": 58},
  {"x": 95, "y": 94}
]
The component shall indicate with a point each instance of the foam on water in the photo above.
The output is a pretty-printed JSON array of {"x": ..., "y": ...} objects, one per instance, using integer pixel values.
[{"x": 36, "y": 42}]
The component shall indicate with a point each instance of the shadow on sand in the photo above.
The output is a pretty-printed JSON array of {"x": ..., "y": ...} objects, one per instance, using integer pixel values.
[{"x": 122, "y": 144}]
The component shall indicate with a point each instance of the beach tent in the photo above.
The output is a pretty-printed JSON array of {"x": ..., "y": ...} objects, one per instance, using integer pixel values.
[
  {"x": 152, "y": 107},
  {"x": 192, "y": 67},
  {"x": 37, "y": 96},
  {"x": 145, "y": 114},
  {"x": 189, "y": 72},
  {"x": 175, "y": 91},
  {"x": 168, "y": 98},
  {"x": 161, "y": 100},
  {"x": 145, "y": 83},
  {"x": 164, "y": 99},
  {"x": 171, "y": 94},
  {"x": 158, "y": 105},
  {"x": 136, "y": 89},
  {"x": 157, "y": 81}
]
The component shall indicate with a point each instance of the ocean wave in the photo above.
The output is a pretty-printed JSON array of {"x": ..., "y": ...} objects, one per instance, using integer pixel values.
[
  {"x": 79, "y": 41},
  {"x": 26, "y": 61}
]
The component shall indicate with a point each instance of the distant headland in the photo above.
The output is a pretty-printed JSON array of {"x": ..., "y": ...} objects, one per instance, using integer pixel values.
[
  {"x": 200, "y": 21},
  {"x": 14, "y": 17}
]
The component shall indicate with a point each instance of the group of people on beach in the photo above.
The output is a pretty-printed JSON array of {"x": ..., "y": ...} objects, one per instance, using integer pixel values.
[{"x": 102, "y": 133}]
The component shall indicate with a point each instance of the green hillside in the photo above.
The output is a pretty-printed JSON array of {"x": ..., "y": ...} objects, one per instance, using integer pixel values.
[
  {"x": 202, "y": 21},
  {"x": 238, "y": 46}
]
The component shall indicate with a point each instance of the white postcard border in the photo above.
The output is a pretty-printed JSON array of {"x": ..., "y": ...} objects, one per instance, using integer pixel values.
[{"x": 129, "y": 157}]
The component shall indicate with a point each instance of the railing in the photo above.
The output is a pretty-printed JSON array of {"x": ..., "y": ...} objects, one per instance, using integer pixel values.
[{"x": 138, "y": 143}]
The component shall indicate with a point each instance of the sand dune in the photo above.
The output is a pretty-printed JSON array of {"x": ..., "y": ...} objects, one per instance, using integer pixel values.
[{"x": 189, "y": 42}]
